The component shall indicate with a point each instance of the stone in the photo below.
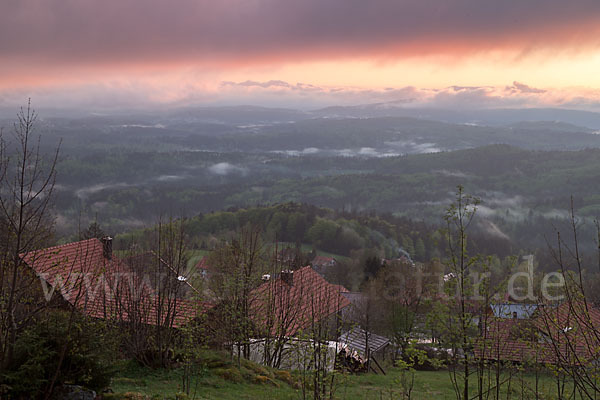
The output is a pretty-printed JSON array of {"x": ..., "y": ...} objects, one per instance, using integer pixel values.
[{"x": 73, "y": 392}]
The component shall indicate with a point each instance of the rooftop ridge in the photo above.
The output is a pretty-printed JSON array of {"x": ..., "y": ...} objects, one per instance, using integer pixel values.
[{"x": 51, "y": 248}]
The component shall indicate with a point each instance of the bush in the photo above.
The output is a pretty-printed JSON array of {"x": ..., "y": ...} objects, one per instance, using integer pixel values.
[
  {"x": 256, "y": 368},
  {"x": 88, "y": 348},
  {"x": 425, "y": 358},
  {"x": 286, "y": 377},
  {"x": 231, "y": 374},
  {"x": 264, "y": 380}
]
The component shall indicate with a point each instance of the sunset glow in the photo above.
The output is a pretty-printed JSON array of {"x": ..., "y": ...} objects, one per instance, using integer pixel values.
[{"x": 212, "y": 52}]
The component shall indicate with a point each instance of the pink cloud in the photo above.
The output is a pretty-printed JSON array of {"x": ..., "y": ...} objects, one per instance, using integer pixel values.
[{"x": 126, "y": 96}]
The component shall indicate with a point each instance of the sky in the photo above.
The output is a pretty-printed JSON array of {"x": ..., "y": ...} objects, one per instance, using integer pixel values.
[{"x": 119, "y": 54}]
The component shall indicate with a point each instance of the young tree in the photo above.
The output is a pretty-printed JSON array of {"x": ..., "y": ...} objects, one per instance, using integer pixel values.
[
  {"x": 403, "y": 288},
  {"x": 458, "y": 218},
  {"x": 93, "y": 231}
]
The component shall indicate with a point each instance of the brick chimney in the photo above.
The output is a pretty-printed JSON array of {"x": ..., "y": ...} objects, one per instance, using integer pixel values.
[
  {"x": 107, "y": 247},
  {"x": 288, "y": 277}
]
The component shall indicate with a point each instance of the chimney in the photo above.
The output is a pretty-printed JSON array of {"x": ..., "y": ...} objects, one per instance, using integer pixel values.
[
  {"x": 107, "y": 247},
  {"x": 288, "y": 277}
]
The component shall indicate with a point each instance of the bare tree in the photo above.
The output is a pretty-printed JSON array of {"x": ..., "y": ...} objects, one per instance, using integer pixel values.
[
  {"x": 276, "y": 312},
  {"x": 316, "y": 358},
  {"x": 238, "y": 267},
  {"x": 26, "y": 186},
  {"x": 571, "y": 329},
  {"x": 150, "y": 289},
  {"x": 27, "y": 178}
]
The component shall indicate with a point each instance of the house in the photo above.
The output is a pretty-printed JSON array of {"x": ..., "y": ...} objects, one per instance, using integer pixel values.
[
  {"x": 88, "y": 276},
  {"x": 294, "y": 301},
  {"x": 510, "y": 310},
  {"x": 321, "y": 263},
  {"x": 164, "y": 278},
  {"x": 566, "y": 334},
  {"x": 513, "y": 340},
  {"x": 293, "y": 313},
  {"x": 203, "y": 267}
]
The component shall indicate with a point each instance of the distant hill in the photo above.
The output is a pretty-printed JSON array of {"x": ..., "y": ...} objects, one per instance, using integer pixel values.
[{"x": 490, "y": 117}]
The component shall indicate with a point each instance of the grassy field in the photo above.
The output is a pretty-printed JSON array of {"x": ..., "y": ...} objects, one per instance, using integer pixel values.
[
  {"x": 307, "y": 248},
  {"x": 220, "y": 378},
  {"x": 195, "y": 256}
]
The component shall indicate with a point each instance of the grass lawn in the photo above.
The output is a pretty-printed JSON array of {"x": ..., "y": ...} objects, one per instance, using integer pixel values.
[{"x": 220, "y": 378}]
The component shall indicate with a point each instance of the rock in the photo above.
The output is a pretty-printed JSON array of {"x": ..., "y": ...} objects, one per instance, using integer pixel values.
[{"x": 73, "y": 392}]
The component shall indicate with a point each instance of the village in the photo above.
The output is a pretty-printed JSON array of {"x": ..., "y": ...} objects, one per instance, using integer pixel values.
[
  {"x": 299, "y": 200},
  {"x": 287, "y": 316}
]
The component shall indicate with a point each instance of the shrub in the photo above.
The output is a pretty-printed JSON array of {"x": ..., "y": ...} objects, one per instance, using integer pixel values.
[
  {"x": 264, "y": 380},
  {"x": 257, "y": 369},
  {"x": 231, "y": 374},
  {"x": 88, "y": 347},
  {"x": 429, "y": 358},
  {"x": 286, "y": 377}
]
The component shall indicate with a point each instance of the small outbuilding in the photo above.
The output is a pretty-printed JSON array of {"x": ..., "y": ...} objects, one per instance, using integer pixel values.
[{"x": 363, "y": 350}]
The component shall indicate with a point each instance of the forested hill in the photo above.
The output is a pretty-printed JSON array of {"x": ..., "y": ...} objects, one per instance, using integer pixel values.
[
  {"x": 520, "y": 189},
  {"x": 351, "y": 235},
  {"x": 328, "y": 136},
  {"x": 506, "y": 178}
]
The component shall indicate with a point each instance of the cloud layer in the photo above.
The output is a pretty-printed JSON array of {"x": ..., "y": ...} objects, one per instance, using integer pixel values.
[
  {"x": 514, "y": 95},
  {"x": 94, "y": 32},
  {"x": 119, "y": 54},
  {"x": 100, "y": 98}
]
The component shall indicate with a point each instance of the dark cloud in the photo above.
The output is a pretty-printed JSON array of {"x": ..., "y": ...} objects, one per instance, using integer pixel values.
[{"x": 34, "y": 33}]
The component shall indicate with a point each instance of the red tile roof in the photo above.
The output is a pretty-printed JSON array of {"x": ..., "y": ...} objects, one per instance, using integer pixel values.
[
  {"x": 105, "y": 288},
  {"x": 176, "y": 281},
  {"x": 340, "y": 289},
  {"x": 568, "y": 333},
  {"x": 283, "y": 309},
  {"x": 203, "y": 264},
  {"x": 511, "y": 340},
  {"x": 71, "y": 267},
  {"x": 322, "y": 260}
]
